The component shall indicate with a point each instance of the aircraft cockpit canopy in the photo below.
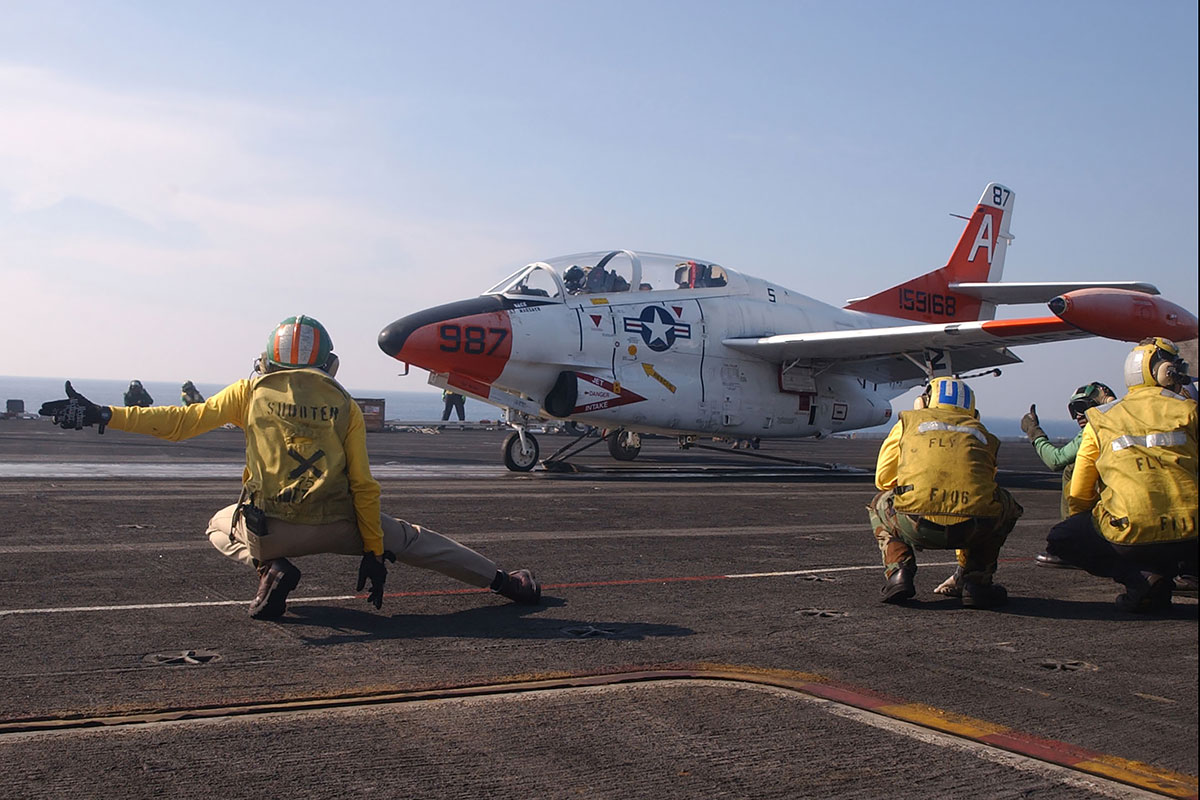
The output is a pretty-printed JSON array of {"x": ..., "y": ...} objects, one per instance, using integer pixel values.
[
  {"x": 610, "y": 272},
  {"x": 537, "y": 281}
]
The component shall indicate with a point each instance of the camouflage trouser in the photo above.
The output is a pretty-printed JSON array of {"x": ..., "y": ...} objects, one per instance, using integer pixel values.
[{"x": 977, "y": 540}]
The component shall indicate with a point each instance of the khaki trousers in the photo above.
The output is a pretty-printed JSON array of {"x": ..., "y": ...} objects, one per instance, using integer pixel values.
[{"x": 412, "y": 544}]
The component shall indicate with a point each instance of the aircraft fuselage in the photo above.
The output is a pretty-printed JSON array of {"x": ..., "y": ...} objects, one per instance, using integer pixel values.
[{"x": 649, "y": 360}]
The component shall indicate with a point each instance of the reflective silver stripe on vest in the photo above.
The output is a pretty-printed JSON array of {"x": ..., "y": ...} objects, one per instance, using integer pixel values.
[
  {"x": 1168, "y": 439},
  {"x": 926, "y": 427}
]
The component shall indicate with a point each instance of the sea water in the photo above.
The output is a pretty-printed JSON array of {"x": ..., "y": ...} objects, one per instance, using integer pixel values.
[{"x": 405, "y": 406}]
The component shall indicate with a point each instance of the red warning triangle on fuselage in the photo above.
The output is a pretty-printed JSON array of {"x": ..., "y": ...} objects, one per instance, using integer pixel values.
[
  {"x": 678, "y": 311},
  {"x": 596, "y": 319},
  {"x": 596, "y": 394}
]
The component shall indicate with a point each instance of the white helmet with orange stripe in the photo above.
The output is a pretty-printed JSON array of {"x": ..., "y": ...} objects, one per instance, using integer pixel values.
[{"x": 299, "y": 342}]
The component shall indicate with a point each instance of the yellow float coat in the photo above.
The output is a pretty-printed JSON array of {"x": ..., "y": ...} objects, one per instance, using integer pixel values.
[{"x": 1144, "y": 450}]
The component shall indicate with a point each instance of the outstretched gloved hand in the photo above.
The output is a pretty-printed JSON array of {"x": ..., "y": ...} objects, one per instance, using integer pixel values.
[
  {"x": 76, "y": 412},
  {"x": 373, "y": 569},
  {"x": 1031, "y": 426}
]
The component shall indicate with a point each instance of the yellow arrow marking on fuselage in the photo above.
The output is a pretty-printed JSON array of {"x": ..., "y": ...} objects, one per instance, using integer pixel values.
[{"x": 649, "y": 368}]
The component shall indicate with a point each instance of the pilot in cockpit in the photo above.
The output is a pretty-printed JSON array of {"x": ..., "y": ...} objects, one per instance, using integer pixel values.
[{"x": 573, "y": 279}]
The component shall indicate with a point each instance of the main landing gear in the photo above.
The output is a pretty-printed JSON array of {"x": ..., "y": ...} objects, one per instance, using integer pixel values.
[{"x": 624, "y": 445}]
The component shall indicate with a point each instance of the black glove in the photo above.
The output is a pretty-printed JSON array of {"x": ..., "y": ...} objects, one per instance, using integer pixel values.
[
  {"x": 372, "y": 569},
  {"x": 76, "y": 412},
  {"x": 1031, "y": 426}
]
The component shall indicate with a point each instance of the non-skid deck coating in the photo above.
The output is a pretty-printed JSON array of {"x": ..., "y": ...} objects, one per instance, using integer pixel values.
[{"x": 769, "y": 574}]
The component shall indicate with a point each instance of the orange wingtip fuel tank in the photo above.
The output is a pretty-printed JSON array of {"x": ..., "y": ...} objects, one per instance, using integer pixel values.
[{"x": 1124, "y": 314}]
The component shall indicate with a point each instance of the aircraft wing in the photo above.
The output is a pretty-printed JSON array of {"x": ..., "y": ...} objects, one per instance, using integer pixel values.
[
  {"x": 1014, "y": 293},
  {"x": 896, "y": 353}
]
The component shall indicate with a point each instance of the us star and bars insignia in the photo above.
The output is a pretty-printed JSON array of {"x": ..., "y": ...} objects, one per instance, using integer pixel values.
[{"x": 658, "y": 328}]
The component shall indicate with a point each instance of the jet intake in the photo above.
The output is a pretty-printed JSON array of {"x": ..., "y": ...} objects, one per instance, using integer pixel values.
[
  {"x": 1125, "y": 315},
  {"x": 561, "y": 400}
]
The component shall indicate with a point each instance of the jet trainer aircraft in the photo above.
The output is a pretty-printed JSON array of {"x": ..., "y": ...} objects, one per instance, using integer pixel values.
[{"x": 650, "y": 343}]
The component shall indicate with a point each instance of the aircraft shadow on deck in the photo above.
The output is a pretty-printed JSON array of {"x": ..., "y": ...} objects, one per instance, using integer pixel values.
[{"x": 333, "y": 625}]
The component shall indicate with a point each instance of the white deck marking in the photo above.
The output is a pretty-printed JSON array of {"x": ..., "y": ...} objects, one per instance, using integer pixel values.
[{"x": 348, "y": 597}]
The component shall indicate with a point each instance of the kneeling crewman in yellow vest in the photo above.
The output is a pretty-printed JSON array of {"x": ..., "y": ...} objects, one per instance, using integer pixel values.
[
  {"x": 1140, "y": 528},
  {"x": 937, "y": 473},
  {"x": 307, "y": 485}
]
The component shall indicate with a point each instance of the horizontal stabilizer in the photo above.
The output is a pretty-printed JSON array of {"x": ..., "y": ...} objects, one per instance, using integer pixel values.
[{"x": 1014, "y": 293}]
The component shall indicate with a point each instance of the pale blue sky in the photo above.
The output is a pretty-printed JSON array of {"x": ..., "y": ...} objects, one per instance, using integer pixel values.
[{"x": 176, "y": 177}]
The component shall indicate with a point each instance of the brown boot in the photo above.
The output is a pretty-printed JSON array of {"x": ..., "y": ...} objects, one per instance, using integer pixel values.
[
  {"x": 276, "y": 579},
  {"x": 899, "y": 586}
]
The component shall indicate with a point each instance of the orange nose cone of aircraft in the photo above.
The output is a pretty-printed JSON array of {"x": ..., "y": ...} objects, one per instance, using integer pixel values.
[
  {"x": 469, "y": 337},
  {"x": 1124, "y": 314}
]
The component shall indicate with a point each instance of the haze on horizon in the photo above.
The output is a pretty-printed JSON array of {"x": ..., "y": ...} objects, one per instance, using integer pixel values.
[{"x": 177, "y": 178}]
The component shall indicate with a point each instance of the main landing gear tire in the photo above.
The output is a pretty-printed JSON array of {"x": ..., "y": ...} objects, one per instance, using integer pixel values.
[
  {"x": 625, "y": 445},
  {"x": 520, "y": 459}
]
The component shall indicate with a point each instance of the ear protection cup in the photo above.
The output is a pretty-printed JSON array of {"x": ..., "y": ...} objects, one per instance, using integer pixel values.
[
  {"x": 331, "y": 365},
  {"x": 1165, "y": 374}
]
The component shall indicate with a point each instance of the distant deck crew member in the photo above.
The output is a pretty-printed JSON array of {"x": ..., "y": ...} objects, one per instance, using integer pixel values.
[
  {"x": 452, "y": 400},
  {"x": 307, "y": 485},
  {"x": 936, "y": 473},
  {"x": 136, "y": 395},
  {"x": 1139, "y": 528},
  {"x": 189, "y": 395}
]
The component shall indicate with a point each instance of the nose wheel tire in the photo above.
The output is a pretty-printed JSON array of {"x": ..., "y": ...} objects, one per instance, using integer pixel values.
[
  {"x": 518, "y": 458},
  {"x": 625, "y": 445}
]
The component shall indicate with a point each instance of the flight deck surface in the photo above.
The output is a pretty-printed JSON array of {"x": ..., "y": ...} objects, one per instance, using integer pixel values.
[{"x": 702, "y": 633}]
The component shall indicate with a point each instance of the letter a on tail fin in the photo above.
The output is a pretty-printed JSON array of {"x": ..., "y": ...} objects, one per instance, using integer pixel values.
[{"x": 978, "y": 258}]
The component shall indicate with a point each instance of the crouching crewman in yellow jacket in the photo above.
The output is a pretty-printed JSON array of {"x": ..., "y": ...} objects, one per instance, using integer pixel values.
[
  {"x": 1140, "y": 528},
  {"x": 937, "y": 475},
  {"x": 307, "y": 485}
]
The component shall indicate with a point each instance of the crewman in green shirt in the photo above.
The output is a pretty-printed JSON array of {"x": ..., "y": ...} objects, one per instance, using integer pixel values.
[{"x": 1062, "y": 459}]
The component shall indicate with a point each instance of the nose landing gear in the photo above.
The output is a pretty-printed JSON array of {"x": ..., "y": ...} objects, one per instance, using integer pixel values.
[{"x": 520, "y": 451}]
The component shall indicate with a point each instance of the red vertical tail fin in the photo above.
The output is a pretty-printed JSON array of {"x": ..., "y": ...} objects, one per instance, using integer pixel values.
[{"x": 978, "y": 257}]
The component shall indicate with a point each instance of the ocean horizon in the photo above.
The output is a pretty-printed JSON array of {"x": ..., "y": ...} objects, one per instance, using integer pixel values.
[
  {"x": 410, "y": 406},
  {"x": 403, "y": 406}
]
